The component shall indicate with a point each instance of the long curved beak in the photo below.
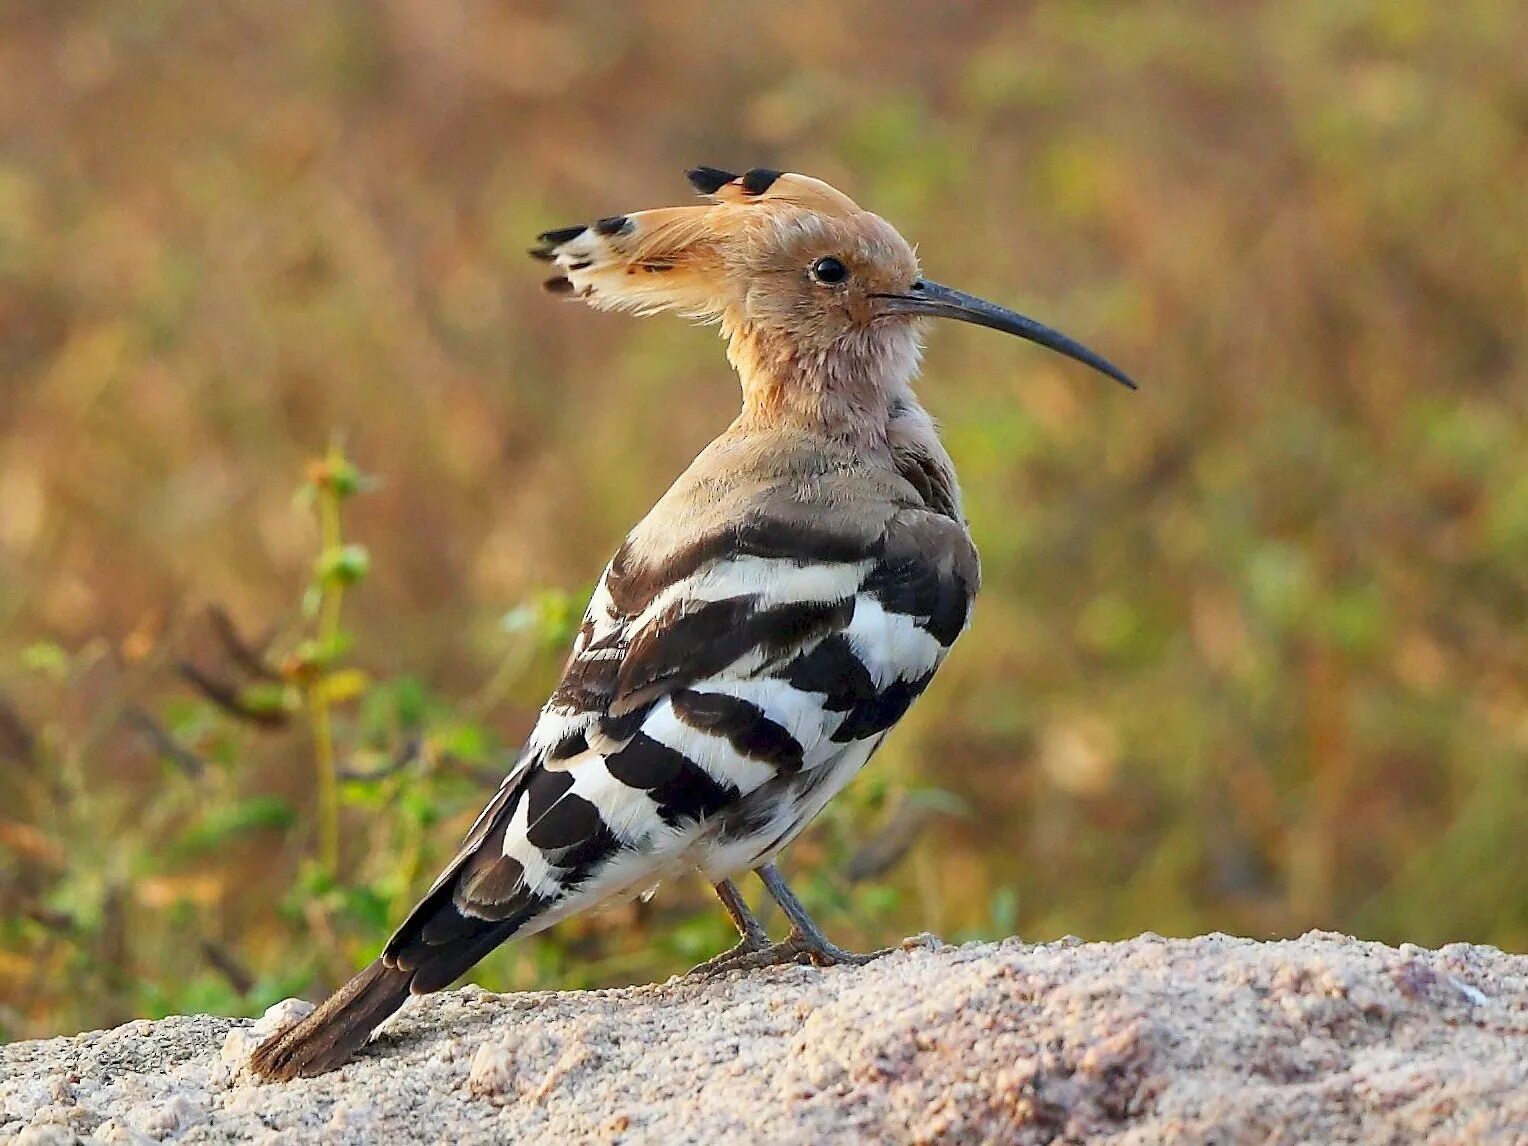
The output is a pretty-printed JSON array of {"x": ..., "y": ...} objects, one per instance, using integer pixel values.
[{"x": 938, "y": 301}]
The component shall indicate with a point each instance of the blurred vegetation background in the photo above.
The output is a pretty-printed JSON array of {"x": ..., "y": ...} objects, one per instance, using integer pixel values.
[{"x": 1252, "y": 653}]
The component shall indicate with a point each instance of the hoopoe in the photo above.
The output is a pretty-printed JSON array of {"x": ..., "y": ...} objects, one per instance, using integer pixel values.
[{"x": 759, "y": 632}]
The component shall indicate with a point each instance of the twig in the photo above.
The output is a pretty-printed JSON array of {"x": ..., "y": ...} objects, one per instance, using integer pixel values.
[
  {"x": 884, "y": 850},
  {"x": 228, "y": 699},
  {"x": 317, "y": 918},
  {"x": 58, "y": 922},
  {"x": 16, "y": 740},
  {"x": 332, "y": 596},
  {"x": 163, "y": 742},
  {"x": 486, "y": 773},
  {"x": 406, "y": 754},
  {"x": 222, "y": 960},
  {"x": 251, "y": 658}
]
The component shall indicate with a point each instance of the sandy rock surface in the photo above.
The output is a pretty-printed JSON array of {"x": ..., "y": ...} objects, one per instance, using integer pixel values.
[{"x": 1216, "y": 1039}]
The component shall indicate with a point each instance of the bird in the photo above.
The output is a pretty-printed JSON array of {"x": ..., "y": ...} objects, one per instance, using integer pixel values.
[{"x": 758, "y": 634}]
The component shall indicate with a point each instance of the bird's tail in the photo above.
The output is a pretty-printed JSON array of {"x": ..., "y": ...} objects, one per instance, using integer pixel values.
[
  {"x": 435, "y": 945},
  {"x": 337, "y": 1029},
  {"x": 478, "y": 902}
]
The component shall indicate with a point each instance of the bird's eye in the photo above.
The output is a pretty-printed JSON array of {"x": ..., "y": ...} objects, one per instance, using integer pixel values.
[{"x": 829, "y": 271}]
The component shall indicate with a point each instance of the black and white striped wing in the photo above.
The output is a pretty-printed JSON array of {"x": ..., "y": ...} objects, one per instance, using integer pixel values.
[{"x": 709, "y": 709}]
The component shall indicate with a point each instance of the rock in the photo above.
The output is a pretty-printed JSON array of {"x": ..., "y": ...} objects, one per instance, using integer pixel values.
[
  {"x": 492, "y": 1074},
  {"x": 117, "y": 1133},
  {"x": 172, "y": 1116},
  {"x": 1214, "y": 1039},
  {"x": 240, "y": 1042},
  {"x": 45, "y": 1134},
  {"x": 280, "y": 1016}
]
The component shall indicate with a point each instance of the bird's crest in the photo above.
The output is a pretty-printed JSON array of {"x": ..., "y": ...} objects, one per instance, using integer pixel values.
[{"x": 676, "y": 258}]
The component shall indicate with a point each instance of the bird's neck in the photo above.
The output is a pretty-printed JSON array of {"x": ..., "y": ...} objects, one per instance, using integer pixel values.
[
  {"x": 845, "y": 390},
  {"x": 858, "y": 395}
]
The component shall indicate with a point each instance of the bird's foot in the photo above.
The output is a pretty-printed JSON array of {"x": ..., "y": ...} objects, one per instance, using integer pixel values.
[
  {"x": 832, "y": 955},
  {"x": 728, "y": 959},
  {"x": 797, "y": 947}
]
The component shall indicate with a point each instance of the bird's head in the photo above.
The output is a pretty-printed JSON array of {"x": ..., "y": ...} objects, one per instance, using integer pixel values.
[{"x": 811, "y": 290}]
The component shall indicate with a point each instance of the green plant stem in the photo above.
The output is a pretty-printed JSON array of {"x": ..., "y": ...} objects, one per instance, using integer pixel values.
[{"x": 332, "y": 596}]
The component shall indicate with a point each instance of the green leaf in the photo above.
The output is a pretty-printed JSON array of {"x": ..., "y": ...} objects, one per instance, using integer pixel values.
[
  {"x": 879, "y": 900},
  {"x": 313, "y": 882},
  {"x": 323, "y": 654},
  {"x": 1003, "y": 911},
  {"x": 257, "y": 813},
  {"x": 467, "y": 742},
  {"x": 551, "y": 616},
  {"x": 938, "y": 800},
  {"x": 410, "y": 703},
  {"x": 47, "y": 658},
  {"x": 266, "y": 697},
  {"x": 421, "y": 805},
  {"x": 346, "y": 479},
  {"x": 345, "y": 565},
  {"x": 369, "y": 908},
  {"x": 1281, "y": 582}
]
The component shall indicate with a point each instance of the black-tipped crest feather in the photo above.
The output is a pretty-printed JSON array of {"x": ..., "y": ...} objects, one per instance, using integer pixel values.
[
  {"x": 709, "y": 180},
  {"x": 760, "y": 180},
  {"x": 561, "y": 234}
]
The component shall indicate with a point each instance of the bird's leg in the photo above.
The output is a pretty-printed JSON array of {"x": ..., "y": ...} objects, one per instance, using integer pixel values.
[
  {"x": 754, "y": 937},
  {"x": 806, "y": 937},
  {"x": 805, "y": 944},
  {"x": 747, "y": 924}
]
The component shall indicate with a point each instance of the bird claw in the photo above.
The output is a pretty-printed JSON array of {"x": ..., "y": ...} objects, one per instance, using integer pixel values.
[
  {"x": 775, "y": 955},
  {"x": 727, "y": 960},
  {"x": 797, "y": 948},
  {"x": 832, "y": 955}
]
